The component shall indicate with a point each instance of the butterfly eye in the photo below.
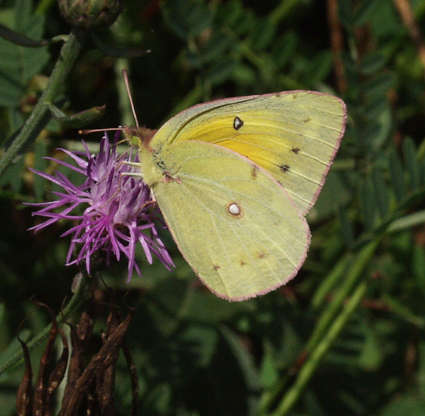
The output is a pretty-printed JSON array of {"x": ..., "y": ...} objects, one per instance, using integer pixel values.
[{"x": 234, "y": 209}]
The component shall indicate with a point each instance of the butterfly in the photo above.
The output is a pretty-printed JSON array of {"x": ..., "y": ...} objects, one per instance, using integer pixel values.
[{"x": 234, "y": 179}]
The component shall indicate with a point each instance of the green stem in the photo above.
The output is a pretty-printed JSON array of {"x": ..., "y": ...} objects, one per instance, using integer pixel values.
[
  {"x": 330, "y": 281},
  {"x": 77, "y": 300},
  {"x": 330, "y": 313},
  {"x": 40, "y": 116},
  {"x": 353, "y": 276},
  {"x": 281, "y": 12},
  {"x": 322, "y": 347}
]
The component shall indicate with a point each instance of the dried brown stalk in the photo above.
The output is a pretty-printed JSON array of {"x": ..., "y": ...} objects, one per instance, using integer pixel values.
[
  {"x": 405, "y": 10},
  {"x": 25, "y": 393},
  {"x": 91, "y": 381},
  {"x": 337, "y": 44}
]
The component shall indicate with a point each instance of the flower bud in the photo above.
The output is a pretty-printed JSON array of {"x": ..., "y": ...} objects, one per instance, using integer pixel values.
[{"x": 88, "y": 14}]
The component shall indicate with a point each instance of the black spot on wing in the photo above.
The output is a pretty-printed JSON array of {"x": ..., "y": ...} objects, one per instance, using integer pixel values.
[
  {"x": 237, "y": 123},
  {"x": 284, "y": 168},
  {"x": 295, "y": 150}
]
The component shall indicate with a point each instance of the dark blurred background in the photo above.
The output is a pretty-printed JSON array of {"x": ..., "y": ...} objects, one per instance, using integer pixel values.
[{"x": 196, "y": 354}]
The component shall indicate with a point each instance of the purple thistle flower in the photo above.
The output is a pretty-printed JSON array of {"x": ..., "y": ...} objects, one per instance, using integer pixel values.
[{"x": 119, "y": 210}]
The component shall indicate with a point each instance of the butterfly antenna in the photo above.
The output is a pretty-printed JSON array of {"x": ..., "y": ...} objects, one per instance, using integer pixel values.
[
  {"x": 100, "y": 130},
  {"x": 127, "y": 86}
]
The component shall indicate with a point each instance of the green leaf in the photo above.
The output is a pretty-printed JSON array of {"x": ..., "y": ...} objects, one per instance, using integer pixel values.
[
  {"x": 206, "y": 308},
  {"x": 397, "y": 175},
  {"x": 378, "y": 128},
  {"x": 313, "y": 404},
  {"x": 77, "y": 120},
  {"x": 40, "y": 150},
  {"x": 346, "y": 227},
  {"x": 330, "y": 281},
  {"x": 13, "y": 348},
  {"x": 372, "y": 355},
  {"x": 159, "y": 399},
  {"x": 364, "y": 11},
  {"x": 15, "y": 119},
  {"x": 387, "y": 23},
  {"x": 13, "y": 175},
  {"x": 407, "y": 405},
  {"x": 243, "y": 74},
  {"x": 372, "y": 63},
  {"x": 375, "y": 107},
  {"x": 403, "y": 311},
  {"x": 204, "y": 340},
  {"x": 408, "y": 221},
  {"x": 421, "y": 367},
  {"x": 320, "y": 68},
  {"x": 220, "y": 72},
  {"x": 367, "y": 203},
  {"x": 187, "y": 18},
  {"x": 284, "y": 49},
  {"x": 17, "y": 63},
  {"x": 346, "y": 13},
  {"x": 263, "y": 34},
  {"x": 378, "y": 86},
  {"x": 215, "y": 48},
  {"x": 419, "y": 265},
  {"x": 411, "y": 162},
  {"x": 242, "y": 356},
  {"x": 422, "y": 172},
  {"x": 334, "y": 195},
  {"x": 268, "y": 372},
  {"x": 381, "y": 193}
]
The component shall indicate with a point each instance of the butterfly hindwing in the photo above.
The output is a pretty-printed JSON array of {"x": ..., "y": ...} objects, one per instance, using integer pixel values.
[{"x": 234, "y": 224}]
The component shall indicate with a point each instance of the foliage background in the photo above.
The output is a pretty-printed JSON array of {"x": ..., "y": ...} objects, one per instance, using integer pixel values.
[{"x": 197, "y": 354}]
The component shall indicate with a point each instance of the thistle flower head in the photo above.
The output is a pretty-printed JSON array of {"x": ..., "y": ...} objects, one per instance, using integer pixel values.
[
  {"x": 90, "y": 13},
  {"x": 118, "y": 211}
]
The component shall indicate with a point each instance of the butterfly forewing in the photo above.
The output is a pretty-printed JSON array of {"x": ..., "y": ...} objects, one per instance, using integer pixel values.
[{"x": 294, "y": 135}]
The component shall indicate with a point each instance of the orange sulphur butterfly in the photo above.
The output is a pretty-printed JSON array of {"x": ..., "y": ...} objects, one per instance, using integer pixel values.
[{"x": 234, "y": 179}]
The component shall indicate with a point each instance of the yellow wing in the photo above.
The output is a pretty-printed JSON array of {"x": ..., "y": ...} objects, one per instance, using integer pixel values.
[
  {"x": 294, "y": 135},
  {"x": 233, "y": 223}
]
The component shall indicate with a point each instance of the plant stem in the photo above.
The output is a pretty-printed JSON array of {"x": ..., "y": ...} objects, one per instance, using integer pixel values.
[
  {"x": 330, "y": 281},
  {"x": 322, "y": 347},
  {"x": 77, "y": 300},
  {"x": 354, "y": 274},
  {"x": 40, "y": 116},
  {"x": 324, "y": 288},
  {"x": 329, "y": 315}
]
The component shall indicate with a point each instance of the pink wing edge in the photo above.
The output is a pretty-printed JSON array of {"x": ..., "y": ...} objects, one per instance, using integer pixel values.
[
  {"x": 332, "y": 158},
  {"x": 300, "y": 215}
]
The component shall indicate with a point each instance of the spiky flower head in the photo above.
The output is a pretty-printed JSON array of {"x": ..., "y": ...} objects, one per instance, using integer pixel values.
[{"x": 118, "y": 211}]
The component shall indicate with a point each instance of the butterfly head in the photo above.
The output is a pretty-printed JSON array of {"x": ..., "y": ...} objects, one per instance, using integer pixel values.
[{"x": 138, "y": 136}]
